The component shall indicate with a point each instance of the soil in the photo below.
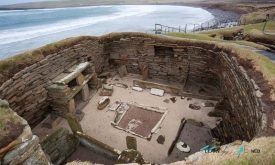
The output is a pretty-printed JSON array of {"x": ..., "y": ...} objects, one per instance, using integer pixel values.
[
  {"x": 195, "y": 137},
  {"x": 11, "y": 132}
]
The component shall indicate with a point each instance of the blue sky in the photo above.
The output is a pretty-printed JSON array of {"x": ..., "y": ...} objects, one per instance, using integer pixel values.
[{"x": 8, "y": 2}]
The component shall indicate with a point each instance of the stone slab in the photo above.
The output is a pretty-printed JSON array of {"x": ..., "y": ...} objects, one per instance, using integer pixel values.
[
  {"x": 68, "y": 75},
  {"x": 157, "y": 92},
  {"x": 122, "y": 71},
  {"x": 85, "y": 93}
]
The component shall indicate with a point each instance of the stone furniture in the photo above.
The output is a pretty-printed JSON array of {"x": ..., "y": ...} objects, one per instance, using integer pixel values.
[{"x": 63, "y": 92}]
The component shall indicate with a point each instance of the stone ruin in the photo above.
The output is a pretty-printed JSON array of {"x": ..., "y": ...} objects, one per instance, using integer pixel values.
[{"x": 53, "y": 85}]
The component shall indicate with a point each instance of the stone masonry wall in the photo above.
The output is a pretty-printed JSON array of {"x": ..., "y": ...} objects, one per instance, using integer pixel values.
[
  {"x": 17, "y": 143},
  {"x": 244, "y": 117},
  {"x": 175, "y": 62},
  {"x": 26, "y": 91},
  {"x": 165, "y": 61}
]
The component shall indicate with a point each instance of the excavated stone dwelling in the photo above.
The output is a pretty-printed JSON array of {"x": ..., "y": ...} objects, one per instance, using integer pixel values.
[{"x": 60, "y": 78}]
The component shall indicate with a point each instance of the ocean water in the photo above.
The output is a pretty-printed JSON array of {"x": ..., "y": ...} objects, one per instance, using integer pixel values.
[{"x": 22, "y": 30}]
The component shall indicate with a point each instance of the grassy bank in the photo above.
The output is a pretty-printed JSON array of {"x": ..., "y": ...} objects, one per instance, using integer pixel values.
[
  {"x": 252, "y": 33},
  {"x": 265, "y": 157},
  {"x": 208, "y": 38}
]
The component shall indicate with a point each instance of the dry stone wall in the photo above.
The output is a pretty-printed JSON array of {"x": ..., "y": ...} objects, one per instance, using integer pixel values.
[
  {"x": 27, "y": 91},
  {"x": 170, "y": 62},
  {"x": 242, "y": 117},
  {"x": 17, "y": 143}
]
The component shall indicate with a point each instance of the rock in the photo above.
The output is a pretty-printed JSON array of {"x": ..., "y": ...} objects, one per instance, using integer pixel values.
[
  {"x": 194, "y": 107},
  {"x": 122, "y": 71},
  {"x": 106, "y": 90},
  {"x": 237, "y": 142},
  {"x": 103, "y": 102},
  {"x": 20, "y": 150},
  {"x": 38, "y": 157},
  {"x": 259, "y": 93},
  {"x": 208, "y": 104},
  {"x": 173, "y": 99},
  {"x": 137, "y": 89},
  {"x": 166, "y": 100},
  {"x": 115, "y": 106},
  {"x": 157, "y": 92},
  {"x": 161, "y": 139},
  {"x": 121, "y": 85},
  {"x": 188, "y": 99},
  {"x": 130, "y": 156},
  {"x": 195, "y": 122},
  {"x": 4, "y": 104}
]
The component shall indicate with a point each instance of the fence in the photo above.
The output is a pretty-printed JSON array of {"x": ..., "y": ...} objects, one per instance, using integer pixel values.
[{"x": 160, "y": 29}]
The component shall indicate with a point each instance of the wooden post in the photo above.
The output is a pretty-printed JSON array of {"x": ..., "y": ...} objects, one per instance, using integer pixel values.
[
  {"x": 185, "y": 28},
  {"x": 179, "y": 28},
  {"x": 73, "y": 123},
  {"x": 155, "y": 28}
]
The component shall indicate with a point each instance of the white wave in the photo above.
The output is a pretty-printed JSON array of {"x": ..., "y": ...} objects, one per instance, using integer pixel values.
[
  {"x": 21, "y": 34},
  {"x": 81, "y": 7},
  {"x": 9, "y": 11}
]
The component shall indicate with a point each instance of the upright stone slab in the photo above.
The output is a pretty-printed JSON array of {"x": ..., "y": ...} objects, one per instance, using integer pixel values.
[
  {"x": 122, "y": 71},
  {"x": 80, "y": 79},
  {"x": 74, "y": 123},
  {"x": 72, "y": 106},
  {"x": 131, "y": 142},
  {"x": 85, "y": 93},
  {"x": 144, "y": 71}
]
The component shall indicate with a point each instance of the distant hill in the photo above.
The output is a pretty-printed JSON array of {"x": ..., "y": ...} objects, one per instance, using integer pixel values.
[{"x": 78, "y": 3}]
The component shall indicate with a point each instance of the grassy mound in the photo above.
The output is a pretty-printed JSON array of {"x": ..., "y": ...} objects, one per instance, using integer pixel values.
[
  {"x": 257, "y": 36},
  {"x": 266, "y": 155}
]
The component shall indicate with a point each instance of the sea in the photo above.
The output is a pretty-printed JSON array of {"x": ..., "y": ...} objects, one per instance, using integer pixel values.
[{"x": 23, "y": 30}]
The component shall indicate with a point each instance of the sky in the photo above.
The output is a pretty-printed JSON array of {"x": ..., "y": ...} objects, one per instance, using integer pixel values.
[{"x": 8, "y": 2}]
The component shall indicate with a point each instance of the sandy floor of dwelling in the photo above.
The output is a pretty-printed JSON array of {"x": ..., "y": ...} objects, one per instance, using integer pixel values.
[{"x": 97, "y": 123}]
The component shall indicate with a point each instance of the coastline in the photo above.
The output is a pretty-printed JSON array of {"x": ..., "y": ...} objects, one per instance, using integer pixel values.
[{"x": 220, "y": 16}]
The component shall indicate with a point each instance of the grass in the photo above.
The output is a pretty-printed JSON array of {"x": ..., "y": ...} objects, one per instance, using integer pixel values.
[
  {"x": 204, "y": 37},
  {"x": 5, "y": 117},
  {"x": 258, "y": 26},
  {"x": 14, "y": 64},
  {"x": 194, "y": 36},
  {"x": 265, "y": 157}
]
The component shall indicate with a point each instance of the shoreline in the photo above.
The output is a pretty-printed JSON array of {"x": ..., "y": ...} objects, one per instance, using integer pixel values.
[{"x": 220, "y": 16}]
